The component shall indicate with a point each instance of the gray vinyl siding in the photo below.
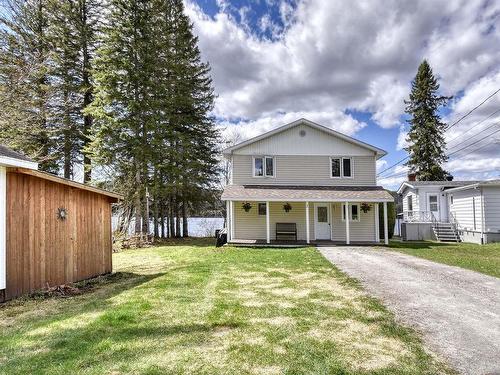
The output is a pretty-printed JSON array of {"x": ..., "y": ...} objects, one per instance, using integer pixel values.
[
  {"x": 252, "y": 226},
  {"x": 463, "y": 208},
  {"x": 304, "y": 170},
  {"x": 492, "y": 208}
]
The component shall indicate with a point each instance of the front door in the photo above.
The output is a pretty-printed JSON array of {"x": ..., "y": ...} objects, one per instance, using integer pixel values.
[
  {"x": 322, "y": 221},
  {"x": 433, "y": 205}
]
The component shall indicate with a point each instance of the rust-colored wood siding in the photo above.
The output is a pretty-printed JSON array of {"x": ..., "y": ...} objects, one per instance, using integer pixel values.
[{"x": 43, "y": 250}]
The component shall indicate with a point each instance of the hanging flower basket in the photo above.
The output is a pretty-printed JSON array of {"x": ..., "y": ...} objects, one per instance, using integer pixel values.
[
  {"x": 365, "y": 207},
  {"x": 287, "y": 207},
  {"x": 246, "y": 206}
]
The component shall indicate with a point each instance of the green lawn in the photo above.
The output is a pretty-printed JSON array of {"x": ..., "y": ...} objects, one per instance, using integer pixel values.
[
  {"x": 191, "y": 308},
  {"x": 480, "y": 258}
]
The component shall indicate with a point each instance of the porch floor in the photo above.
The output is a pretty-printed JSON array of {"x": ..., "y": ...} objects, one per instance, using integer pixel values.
[{"x": 294, "y": 244}]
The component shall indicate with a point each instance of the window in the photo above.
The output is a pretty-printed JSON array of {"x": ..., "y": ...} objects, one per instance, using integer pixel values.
[
  {"x": 269, "y": 166},
  {"x": 346, "y": 167},
  {"x": 354, "y": 208},
  {"x": 451, "y": 198},
  {"x": 410, "y": 202},
  {"x": 263, "y": 166},
  {"x": 322, "y": 214},
  {"x": 433, "y": 203},
  {"x": 336, "y": 167},
  {"x": 341, "y": 167},
  {"x": 262, "y": 208}
]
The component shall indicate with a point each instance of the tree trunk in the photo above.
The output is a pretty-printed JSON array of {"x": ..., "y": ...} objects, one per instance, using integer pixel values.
[
  {"x": 184, "y": 219},
  {"x": 162, "y": 220},
  {"x": 155, "y": 218},
  {"x": 177, "y": 218},
  {"x": 138, "y": 205},
  {"x": 87, "y": 86},
  {"x": 171, "y": 217}
]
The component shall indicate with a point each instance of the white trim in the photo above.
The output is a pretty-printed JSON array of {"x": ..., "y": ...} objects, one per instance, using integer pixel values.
[
  {"x": 308, "y": 230},
  {"x": 268, "y": 225},
  {"x": 377, "y": 224},
  {"x": 345, "y": 210},
  {"x": 342, "y": 158},
  {"x": 232, "y": 219},
  {"x": 352, "y": 167},
  {"x": 386, "y": 229},
  {"x": 264, "y": 174},
  {"x": 3, "y": 227},
  {"x": 482, "y": 216},
  {"x": 316, "y": 205},
  {"x": 350, "y": 213},
  {"x": 12, "y": 162},
  {"x": 340, "y": 169},
  {"x": 379, "y": 152},
  {"x": 228, "y": 220},
  {"x": 331, "y": 221}
]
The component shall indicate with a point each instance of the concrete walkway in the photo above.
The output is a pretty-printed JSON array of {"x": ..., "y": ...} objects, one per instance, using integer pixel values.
[{"x": 456, "y": 310}]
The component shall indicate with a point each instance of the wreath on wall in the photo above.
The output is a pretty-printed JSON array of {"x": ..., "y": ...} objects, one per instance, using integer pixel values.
[
  {"x": 287, "y": 207},
  {"x": 365, "y": 207},
  {"x": 62, "y": 213},
  {"x": 246, "y": 206}
]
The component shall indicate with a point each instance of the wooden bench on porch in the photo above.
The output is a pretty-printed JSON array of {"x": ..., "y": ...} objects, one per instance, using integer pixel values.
[{"x": 286, "y": 229}]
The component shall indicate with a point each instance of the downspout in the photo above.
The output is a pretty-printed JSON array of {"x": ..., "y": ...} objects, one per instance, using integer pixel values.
[
  {"x": 482, "y": 216},
  {"x": 3, "y": 228}
]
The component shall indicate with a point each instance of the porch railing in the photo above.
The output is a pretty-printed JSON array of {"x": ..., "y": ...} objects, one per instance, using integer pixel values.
[{"x": 418, "y": 216}]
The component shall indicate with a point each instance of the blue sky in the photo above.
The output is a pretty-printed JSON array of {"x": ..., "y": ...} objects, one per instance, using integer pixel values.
[{"x": 349, "y": 66}]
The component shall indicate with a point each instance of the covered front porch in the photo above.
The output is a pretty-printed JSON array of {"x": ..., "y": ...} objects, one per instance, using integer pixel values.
[{"x": 264, "y": 218}]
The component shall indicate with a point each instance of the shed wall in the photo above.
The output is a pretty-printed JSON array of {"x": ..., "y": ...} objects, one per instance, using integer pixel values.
[{"x": 43, "y": 250}]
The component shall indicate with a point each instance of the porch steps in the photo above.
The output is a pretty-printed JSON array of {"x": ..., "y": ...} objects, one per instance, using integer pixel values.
[{"x": 445, "y": 232}]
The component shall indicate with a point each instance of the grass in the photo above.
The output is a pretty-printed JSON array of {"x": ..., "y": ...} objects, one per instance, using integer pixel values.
[
  {"x": 187, "y": 307},
  {"x": 480, "y": 258}
]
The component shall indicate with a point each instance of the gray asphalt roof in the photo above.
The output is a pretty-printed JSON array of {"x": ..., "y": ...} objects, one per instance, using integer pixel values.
[
  {"x": 282, "y": 192},
  {"x": 7, "y": 152}
]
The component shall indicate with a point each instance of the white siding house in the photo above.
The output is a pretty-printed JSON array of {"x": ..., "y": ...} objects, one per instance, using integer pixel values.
[
  {"x": 320, "y": 174},
  {"x": 470, "y": 208}
]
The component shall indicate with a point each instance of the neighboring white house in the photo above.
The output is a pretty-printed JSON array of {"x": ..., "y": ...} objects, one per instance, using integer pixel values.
[
  {"x": 300, "y": 182},
  {"x": 8, "y": 158},
  {"x": 451, "y": 210}
]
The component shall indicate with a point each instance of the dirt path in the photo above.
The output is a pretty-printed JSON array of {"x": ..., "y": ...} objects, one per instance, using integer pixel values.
[{"x": 457, "y": 310}]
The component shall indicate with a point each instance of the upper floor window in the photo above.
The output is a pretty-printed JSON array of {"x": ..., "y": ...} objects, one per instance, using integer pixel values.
[
  {"x": 341, "y": 167},
  {"x": 263, "y": 166}
]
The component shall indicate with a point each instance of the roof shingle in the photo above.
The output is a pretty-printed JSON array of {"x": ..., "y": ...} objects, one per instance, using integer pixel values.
[
  {"x": 304, "y": 193},
  {"x": 7, "y": 152}
]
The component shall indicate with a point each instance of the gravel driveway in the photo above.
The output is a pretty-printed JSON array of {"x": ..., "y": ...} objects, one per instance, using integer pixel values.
[{"x": 457, "y": 310}]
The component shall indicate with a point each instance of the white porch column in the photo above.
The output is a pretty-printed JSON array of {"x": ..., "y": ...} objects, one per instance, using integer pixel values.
[
  {"x": 228, "y": 220},
  {"x": 231, "y": 225},
  {"x": 347, "y": 230},
  {"x": 268, "y": 224},
  {"x": 386, "y": 230},
  {"x": 377, "y": 224},
  {"x": 3, "y": 227},
  {"x": 308, "y": 235}
]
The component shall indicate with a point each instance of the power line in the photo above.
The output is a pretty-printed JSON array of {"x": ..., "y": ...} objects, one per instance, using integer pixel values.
[
  {"x": 475, "y": 135},
  {"x": 479, "y": 123},
  {"x": 473, "y": 143},
  {"x": 450, "y": 126}
]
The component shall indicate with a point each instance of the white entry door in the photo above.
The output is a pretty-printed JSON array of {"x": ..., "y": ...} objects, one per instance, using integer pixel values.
[
  {"x": 322, "y": 221},
  {"x": 433, "y": 205}
]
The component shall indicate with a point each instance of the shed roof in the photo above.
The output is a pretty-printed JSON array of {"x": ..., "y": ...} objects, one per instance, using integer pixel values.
[
  {"x": 65, "y": 181},
  {"x": 306, "y": 193},
  {"x": 443, "y": 184},
  {"x": 11, "y": 158}
]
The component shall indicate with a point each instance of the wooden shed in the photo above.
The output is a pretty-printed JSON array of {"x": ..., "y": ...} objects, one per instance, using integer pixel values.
[{"x": 53, "y": 230}]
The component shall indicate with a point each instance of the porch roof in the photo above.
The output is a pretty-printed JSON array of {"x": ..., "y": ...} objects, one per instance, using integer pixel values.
[{"x": 306, "y": 193}]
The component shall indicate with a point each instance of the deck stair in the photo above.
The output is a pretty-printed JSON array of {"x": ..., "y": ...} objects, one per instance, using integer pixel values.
[{"x": 445, "y": 232}]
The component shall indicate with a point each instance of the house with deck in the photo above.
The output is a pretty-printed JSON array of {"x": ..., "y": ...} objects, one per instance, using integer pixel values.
[
  {"x": 304, "y": 183},
  {"x": 451, "y": 211}
]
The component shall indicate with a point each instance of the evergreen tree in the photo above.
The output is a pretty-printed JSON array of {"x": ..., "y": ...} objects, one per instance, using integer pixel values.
[
  {"x": 425, "y": 138},
  {"x": 25, "y": 90}
]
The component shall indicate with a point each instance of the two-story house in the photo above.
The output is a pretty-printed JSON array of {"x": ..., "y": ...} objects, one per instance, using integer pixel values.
[{"x": 304, "y": 182}]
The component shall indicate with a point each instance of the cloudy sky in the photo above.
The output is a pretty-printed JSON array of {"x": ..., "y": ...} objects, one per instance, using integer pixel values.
[{"x": 348, "y": 65}]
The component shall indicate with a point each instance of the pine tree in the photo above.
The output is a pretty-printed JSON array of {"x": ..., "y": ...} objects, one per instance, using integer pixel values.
[
  {"x": 25, "y": 90},
  {"x": 425, "y": 138}
]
